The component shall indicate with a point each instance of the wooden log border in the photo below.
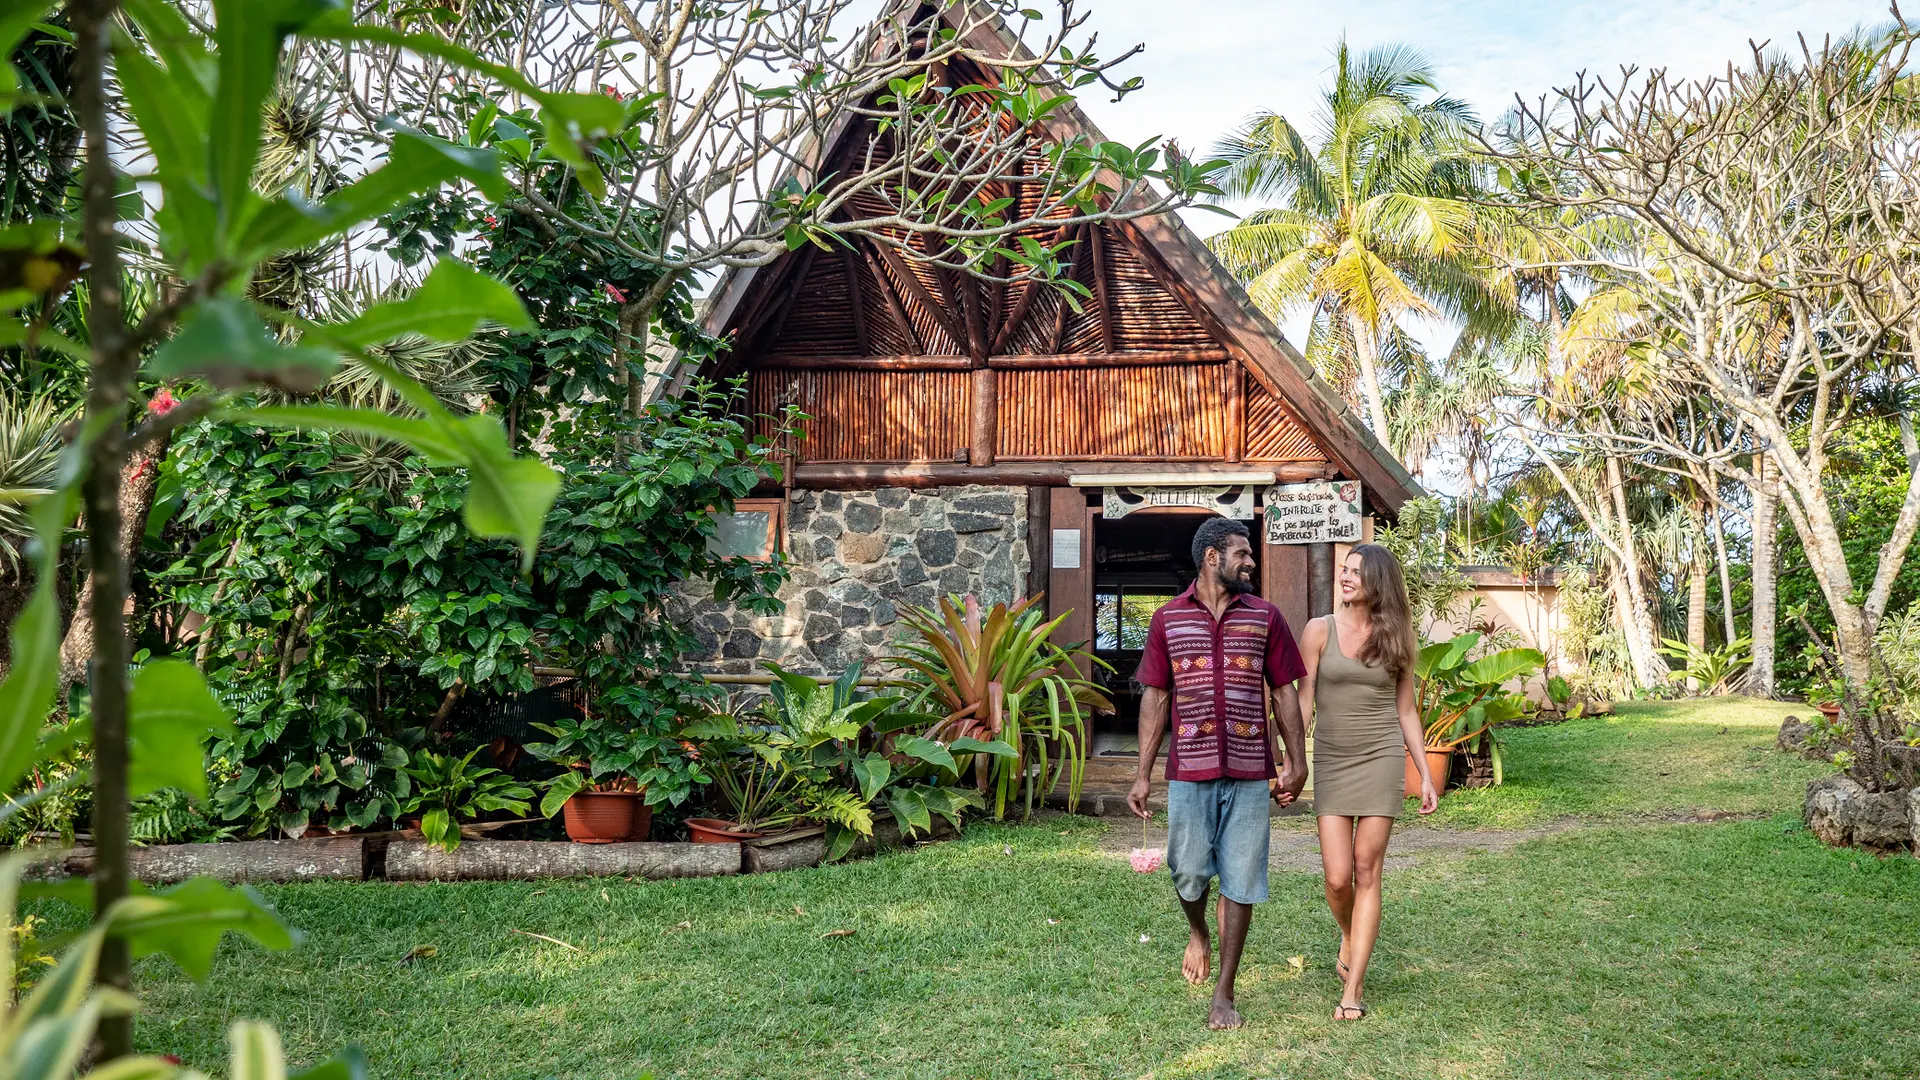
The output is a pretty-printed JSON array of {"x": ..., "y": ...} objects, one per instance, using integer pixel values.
[{"x": 396, "y": 857}]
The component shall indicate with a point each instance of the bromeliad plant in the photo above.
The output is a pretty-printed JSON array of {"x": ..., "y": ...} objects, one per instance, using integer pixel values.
[
  {"x": 1015, "y": 704},
  {"x": 821, "y": 752},
  {"x": 1461, "y": 701}
]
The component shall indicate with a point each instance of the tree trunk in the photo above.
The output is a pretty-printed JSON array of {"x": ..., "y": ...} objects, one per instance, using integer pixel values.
[
  {"x": 1765, "y": 590},
  {"x": 140, "y": 480},
  {"x": 1636, "y": 621},
  {"x": 1366, "y": 348},
  {"x": 1727, "y": 626},
  {"x": 1697, "y": 591}
]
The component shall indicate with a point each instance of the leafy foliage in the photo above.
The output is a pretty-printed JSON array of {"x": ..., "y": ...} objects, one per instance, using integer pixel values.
[
  {"x": 1015, "y": 703},
  {"x": 1462, "y": 699}
]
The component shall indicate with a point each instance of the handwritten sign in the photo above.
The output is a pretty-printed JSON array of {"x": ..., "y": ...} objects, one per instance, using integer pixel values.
[
  {"x": 1322, "y": 513},
  {"x": 1066, "y": 549},
  {"x": 1227, "y": 500}
]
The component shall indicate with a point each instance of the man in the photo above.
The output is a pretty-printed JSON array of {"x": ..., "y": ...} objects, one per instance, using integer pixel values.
[{"x": 1212, "y": 648}]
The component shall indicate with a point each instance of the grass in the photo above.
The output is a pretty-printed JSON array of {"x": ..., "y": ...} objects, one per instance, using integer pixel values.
[
  {"x": 1734, "y": 949},
  {"x": 1650, "y": 760}
]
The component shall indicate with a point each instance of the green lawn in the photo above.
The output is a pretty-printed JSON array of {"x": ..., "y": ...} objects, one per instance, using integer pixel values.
[
  {"x": 1651, "y": 760},
  {"x": 1734, "y": 949}
]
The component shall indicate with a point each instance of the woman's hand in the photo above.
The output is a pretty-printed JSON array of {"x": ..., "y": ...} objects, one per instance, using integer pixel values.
[{"x": 1429, "y": 798}]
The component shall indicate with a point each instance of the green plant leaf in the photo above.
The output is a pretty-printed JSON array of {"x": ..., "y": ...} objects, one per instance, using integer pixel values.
[
  {"x": 348, "y": 1064},
  {"x": 33, "y": 681},
  {"x": 224, "y": 341},
  {"x": 16, "y": 18},
  {"x": 247, "y": 36},
  {"x": 416, "y": 163},
  {"x": 187, "y": 921},
  {"x": 254, "y": 1052},
  {"x": 872, "y": 772},
  {"x": 438, "y": 828},
  {"x": 452, "y": 301},
  {"x": 910, "y": 811},
  {"x": 508, "y": 497},
  {"x": 170, "y": 713},
  {"x": 967, "y": 744},
  {"x": 559, "y": 790},
  {"x": 926, "y": 750}
]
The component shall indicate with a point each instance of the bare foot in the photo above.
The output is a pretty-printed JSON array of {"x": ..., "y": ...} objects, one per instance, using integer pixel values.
[
  {"x": 1223, "y": 1017},
  {"x": 1198, "y": 963}
]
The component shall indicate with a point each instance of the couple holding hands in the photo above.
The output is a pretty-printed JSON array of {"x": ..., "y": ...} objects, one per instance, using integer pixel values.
[{"x": 1212, "y": 654}]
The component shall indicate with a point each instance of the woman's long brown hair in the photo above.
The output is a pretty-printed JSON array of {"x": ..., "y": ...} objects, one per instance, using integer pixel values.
[{"x": 1390, "y": 642}]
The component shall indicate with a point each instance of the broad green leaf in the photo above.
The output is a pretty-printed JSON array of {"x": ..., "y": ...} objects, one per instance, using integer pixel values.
[
  {"x": 247, "y": 36},
  {"x": 926, "y": 750},
  {"x": 424, "y": 436},
  {"x": 873, "y": 772},
  {"x": 559, "y": 790},
  {"x": 225, "y": 341},
  {"x": 49, "y": 1047},
  {"x": 1502, "y": 666},
  {"x": 254, "y": 1052},
  {"x": 33, "y": 681},
  {"x": 967, "y": 744},
  {"x": 171, "y": 112},
  {"x": 436, "y": 825},
  {"x": 138, "y": 1068},
  {"x": 187, "y": 921},
  {"x": 63, "y": 989},
  {"x": 175, "y": 43},
  {"x": 910, "y": 811},
  {"x": 507, "y": 497},
  {"x": 16, "y": 18},
  {"x": 448, "y": 306},
  {"x": 170, "y": 713},
  {"x": 416, "y": 163}
]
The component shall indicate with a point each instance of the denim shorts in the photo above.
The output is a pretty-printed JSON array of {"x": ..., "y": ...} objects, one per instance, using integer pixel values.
[{"x": 1218, "y": 828}]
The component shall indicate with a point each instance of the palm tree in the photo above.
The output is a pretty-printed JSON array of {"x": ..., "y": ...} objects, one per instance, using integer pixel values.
[{"x": 1378, "y": 223}]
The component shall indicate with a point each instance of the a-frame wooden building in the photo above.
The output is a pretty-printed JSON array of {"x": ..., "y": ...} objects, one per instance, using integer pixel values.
[{"x": 968, "y": 436}]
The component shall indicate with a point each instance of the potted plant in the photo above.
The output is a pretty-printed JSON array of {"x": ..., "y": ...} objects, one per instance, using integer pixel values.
[
  {"x": 597, "y": 795},
  {"x": 447, "y": 790},
  {"x": 1461, "y": 700}
]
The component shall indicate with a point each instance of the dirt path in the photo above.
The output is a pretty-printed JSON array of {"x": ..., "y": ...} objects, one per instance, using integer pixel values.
[{"x": 1295, "y": 848}]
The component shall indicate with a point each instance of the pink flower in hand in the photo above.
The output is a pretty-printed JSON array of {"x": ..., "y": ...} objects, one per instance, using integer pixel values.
[{"x": 1144, "y": 860}]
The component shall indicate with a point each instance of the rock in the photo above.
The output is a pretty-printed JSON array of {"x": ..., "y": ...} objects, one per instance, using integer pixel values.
[
  {"x": 1843, "y": 814},
  {"x": 741, "y": 645},
  {"x": 832, "y": 501},
  {"x": 884, "y": 613},
  {"x": 1829, "y": 809},
  {"x": 998, "y": 503},
  {"x": 937, "y": 548},
  {"x": 1795, "y": 735},
  {"x": 862, "y": 517},
  {"x": 893, "y": 498},
  {"x": 962, "y": 521},
  {"x": 851, "y": 617},
  {"x": 1913, "y": 819},
  {"x": 826, "y": 526},
  {"x": 1880, "y": 820},
  {"x": 912, "y": 571},
  {"x": 862, "y": 549},
  {"x": 822, "y": 628}
]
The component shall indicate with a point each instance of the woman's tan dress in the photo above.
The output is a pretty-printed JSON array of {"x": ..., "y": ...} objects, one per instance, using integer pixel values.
[{"x": 1359, "y": 754}]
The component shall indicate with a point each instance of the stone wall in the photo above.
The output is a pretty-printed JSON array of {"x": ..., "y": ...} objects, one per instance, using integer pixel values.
[{"x": 857, "y": 558}]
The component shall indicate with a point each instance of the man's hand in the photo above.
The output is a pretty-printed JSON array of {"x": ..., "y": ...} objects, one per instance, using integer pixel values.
[
  {"x": 1293, "y": 779},
  {"x": 1137, "y": 797}
]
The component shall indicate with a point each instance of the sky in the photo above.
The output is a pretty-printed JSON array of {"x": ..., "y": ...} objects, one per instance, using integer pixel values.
[{"x": 1209, "y": 63}]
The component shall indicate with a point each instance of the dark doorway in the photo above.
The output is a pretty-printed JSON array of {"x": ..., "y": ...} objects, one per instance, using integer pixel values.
[{"x": 1139, "y": 563}]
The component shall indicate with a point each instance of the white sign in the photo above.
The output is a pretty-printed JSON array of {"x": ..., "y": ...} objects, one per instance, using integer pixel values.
[
  {"x": 1227, "y": 500},
  {"x": 1066, "y": 549},
  {"x": 1323, "y": 513}
]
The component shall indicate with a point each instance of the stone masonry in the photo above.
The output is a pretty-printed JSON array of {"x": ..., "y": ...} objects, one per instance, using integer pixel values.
[{"x": 859, "y": 557}]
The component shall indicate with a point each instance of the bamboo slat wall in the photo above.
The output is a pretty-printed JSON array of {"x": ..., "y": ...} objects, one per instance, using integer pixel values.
[
  {"x": 1274, "y": 433},
  {"x": 1083, "y": 413},
  {"x": 869, "y": 415}
]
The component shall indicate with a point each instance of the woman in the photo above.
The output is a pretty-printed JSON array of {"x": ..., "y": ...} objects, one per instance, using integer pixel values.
[{"x": 1360, "y": 703}]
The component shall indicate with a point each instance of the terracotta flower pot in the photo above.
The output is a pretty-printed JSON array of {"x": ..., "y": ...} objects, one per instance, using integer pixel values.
[
  {"x": 715, "y": 831},
  {"x": 1438, "y": 763},
  {"x": 599, "y": 817},
  {"x": 1831, "y": 709}
]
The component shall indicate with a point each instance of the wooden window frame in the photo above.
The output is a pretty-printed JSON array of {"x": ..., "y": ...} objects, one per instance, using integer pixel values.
[{"x": 776, "y": 510}]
